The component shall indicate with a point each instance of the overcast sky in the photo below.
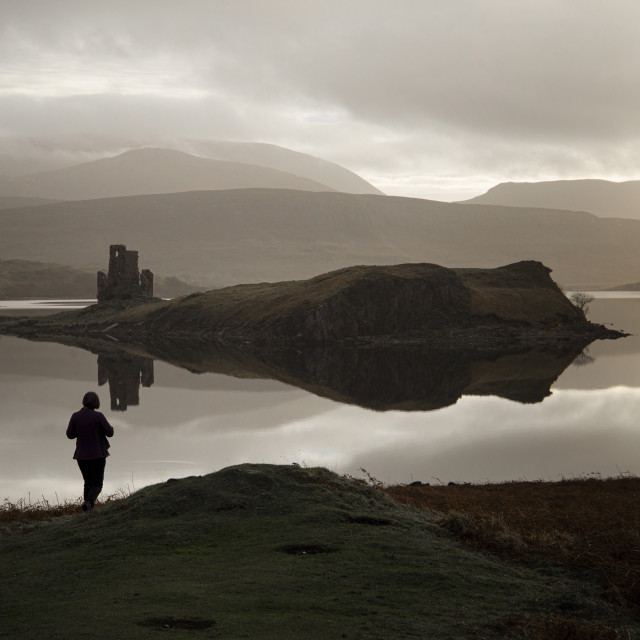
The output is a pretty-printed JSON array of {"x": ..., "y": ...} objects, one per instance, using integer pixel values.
[{"x": 430, "y": 98}]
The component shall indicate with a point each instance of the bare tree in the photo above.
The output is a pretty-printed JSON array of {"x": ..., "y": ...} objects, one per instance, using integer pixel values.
[
  {"x": 584, "y": 359},
  {"x": 582, "y": 300}
]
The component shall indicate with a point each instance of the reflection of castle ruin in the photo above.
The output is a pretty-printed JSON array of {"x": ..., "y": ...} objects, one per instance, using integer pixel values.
[
  {"x": 124, "y": 280},
  {"x": 124, "y": 374}
]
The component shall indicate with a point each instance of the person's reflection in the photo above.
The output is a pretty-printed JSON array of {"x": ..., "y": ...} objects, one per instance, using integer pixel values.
[{"x": 124, "y": 373}]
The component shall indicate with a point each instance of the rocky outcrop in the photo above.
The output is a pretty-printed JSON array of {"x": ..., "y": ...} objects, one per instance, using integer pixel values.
[{"x": 346, "y": 304}]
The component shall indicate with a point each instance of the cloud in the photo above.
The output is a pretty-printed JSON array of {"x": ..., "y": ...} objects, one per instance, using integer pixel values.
[{"x": 407, "y": 92}]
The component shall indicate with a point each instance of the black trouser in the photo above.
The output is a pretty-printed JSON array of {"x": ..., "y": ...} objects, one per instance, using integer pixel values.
[{"x": 93, "y": 474}]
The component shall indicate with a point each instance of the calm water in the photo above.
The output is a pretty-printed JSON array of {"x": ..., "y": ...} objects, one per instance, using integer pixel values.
[
  {"x": 35, "y": 307},
  {"x": 177, "y": 423}
]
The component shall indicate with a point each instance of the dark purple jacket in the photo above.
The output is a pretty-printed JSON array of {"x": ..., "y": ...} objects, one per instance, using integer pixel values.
[{"x": 92, "y": 429}]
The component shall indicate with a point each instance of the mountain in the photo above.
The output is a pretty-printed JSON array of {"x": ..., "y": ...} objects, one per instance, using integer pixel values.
[
  {"x": 601, "y": 197},
  {"x": 271, "y": 155},
  {"x": 28, "y": 279},
  {"x": 218, "y": 238},
  {"x": 145, "y": 171},
  {"x": 22, "y": 156}
]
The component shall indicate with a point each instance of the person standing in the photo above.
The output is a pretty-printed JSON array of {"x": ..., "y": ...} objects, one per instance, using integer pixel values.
[{"x": 91, "y": 430}]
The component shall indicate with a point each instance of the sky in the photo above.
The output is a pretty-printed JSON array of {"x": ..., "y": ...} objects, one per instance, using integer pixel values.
[{"x": 438, "y": 99}]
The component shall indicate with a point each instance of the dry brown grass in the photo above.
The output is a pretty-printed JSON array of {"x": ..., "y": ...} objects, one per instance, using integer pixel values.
[
  {"x": 28, "y": 510},
  {"x": 580, "y": 523}
]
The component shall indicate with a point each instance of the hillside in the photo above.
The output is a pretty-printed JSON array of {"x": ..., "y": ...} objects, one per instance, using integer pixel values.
[
  {"x": 601, "y": 197},
  {"x": 29, "y": 279},
  {"x": 218, "y": 238},
  {"x": 144, "y": 171}
]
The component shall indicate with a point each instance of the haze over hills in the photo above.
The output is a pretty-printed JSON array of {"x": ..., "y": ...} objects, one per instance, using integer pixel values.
[
  {"x": 601, "y": 197},
  {"x": 25, "y": 156},
  {"x": 13, "y": 202},
  {"x": 144, "y": 171},
  {"x": 631, "y": 286},
  {"x": 31, "y": 279},
  {"x": 271, "y": 155},
  {"x": 217, "y": 238}
]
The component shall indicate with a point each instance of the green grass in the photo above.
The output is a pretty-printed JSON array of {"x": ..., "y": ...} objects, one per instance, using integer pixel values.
[{"x": 209, "y": 550}]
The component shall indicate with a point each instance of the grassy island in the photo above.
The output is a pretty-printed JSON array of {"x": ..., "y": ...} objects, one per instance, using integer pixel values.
[{"x": 406, "y": 303}]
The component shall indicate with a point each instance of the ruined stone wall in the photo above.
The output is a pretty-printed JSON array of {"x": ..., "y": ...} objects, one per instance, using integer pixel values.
[
  {"x": 146, "y": 283},
  {"x": 123, "y": 266},
  {"x": 123, "y": 280}
]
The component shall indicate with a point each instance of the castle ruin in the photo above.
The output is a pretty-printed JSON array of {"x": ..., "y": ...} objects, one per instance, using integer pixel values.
[
  {"x": 124, "y": 281},
  {"x": 124, "y": 373}
]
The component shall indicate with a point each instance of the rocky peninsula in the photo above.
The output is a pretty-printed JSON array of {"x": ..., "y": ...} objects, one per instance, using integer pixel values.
[{"x": 383, "y": 305}]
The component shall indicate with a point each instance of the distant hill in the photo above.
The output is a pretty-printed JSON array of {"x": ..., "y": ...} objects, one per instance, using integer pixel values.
[
  {"x": 271, "y": 155},
  {"x": 146, "y": 171},
  {"x": 29, "y": 279},
  {"x": 36, "y": 154},
  {"x": 218, "y": 238},
  {"x": 633, "y": 286},
  {"x": 601, "y": 197}
]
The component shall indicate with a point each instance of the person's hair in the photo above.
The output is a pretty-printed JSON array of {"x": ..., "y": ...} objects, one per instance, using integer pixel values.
[{"x": 91, "y": 400}]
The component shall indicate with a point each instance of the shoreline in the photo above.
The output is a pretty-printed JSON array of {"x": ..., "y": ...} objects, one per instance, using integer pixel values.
[{"x": 472, "y": 337}]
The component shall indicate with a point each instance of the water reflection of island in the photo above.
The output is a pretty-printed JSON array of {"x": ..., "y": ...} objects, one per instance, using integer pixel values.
[
  {"x": 416, "y": 378},
  {"x": 124, "y": 372}
]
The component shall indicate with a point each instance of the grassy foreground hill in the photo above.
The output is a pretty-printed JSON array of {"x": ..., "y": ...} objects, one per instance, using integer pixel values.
[{"x": 279, "y": 552}]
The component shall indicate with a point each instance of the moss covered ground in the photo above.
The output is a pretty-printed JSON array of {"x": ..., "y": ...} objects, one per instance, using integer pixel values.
[{"x": 262, "y": 551}]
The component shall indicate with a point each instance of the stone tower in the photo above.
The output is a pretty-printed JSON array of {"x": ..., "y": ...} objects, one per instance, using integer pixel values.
[{"x": 124, "y": 281}]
